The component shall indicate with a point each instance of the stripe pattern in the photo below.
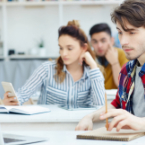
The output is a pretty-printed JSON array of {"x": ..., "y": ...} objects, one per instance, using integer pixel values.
[{"x": 89, "y": 90}]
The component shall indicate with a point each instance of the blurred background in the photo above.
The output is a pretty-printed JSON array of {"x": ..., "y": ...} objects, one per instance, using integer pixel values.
[{"x": 29, "y": 31}]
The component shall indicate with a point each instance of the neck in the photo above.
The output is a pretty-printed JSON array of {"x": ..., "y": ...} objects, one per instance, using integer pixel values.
[
  {"x": 141, "y": 59},
  {"x": 74, "y": 67}
]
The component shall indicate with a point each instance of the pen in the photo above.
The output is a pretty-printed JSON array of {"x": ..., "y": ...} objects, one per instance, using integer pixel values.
[{"x": 107, "y": 126}]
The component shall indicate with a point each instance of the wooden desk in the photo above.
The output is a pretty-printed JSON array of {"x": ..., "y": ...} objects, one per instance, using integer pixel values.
[{"x": 57, "y": 119}]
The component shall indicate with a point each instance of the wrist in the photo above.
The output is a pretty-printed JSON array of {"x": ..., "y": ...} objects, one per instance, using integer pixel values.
[
  {"x": 1, "y": 102},
  {"x": 93, "y": 65},
  {"x": 90, "y": 116},
  {"x": 143, "y": 123},
  {"x": 115, "y": 63}
]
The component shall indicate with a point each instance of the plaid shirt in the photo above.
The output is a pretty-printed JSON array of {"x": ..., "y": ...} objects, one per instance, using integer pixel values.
[{"x": 126, "y": 85}]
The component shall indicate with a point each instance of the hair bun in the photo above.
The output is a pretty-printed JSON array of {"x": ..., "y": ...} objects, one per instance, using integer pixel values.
[{"x": 74, "y": 23}]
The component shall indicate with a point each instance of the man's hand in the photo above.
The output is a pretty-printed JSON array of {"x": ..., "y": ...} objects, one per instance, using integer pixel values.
[
  {"x": 123, "y": 120},
  {"x": 85, "y": 124},
  {"x": 111, "y": 55}
]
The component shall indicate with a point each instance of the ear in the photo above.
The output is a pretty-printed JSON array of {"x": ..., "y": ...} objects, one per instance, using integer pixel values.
[
  {"x": 112, "y": 41},
  {"x": 85, "y": 47}
]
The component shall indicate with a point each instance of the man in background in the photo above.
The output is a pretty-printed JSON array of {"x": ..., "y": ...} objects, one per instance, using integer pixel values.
[{"x": 111, "y": 58}]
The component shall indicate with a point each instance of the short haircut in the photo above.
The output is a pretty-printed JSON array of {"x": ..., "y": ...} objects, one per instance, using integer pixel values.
[
  {"x": 132, "y": 11},
  {"x": 102, "y": 27}
]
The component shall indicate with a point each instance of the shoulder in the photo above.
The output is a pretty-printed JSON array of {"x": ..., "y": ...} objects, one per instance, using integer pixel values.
[{"x": 49, "y": 64}]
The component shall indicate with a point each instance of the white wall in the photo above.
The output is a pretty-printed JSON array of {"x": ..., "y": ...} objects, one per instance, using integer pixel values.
[{"x": 26, "y": 25}]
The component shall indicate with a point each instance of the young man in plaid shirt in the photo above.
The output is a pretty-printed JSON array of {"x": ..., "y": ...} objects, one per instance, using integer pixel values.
[{"x": 128, "y": 108}]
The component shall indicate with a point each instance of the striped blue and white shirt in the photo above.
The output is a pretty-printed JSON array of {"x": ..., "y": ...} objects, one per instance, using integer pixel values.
[{"x": 89, "y": 90}]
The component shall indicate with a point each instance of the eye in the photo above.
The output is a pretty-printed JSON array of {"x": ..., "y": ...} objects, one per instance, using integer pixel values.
[
  {"x": 132, "y": 33},
  {"x": 103, "y": 41},
  {"x": 119, "y": 33},
  {"x": 69, "y": 48},
  {"x": 60, "y": 48}
]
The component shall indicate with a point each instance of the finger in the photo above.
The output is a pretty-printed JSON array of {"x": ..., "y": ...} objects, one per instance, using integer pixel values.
[
  {"x": 12, "y": 104},
  {"x": 6, "y": 94},
  {"x": 112, "y": 113},
  {"x": 115, "y": 121},
  {"x": 76, "y": 128},
  {"x": 110, "y": 46},
  {"x": 80, "y": 127},
  {"x": 90, "y": 128},
  {"x": 14, "y": 99},
  {"x": 121, "y": 124},
  {"x": 102, "y": 113}
]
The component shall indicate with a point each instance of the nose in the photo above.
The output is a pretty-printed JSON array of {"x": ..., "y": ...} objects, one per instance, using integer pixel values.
[
  {"x": 64, "y": 52},
  {"x": 100, "y": 45},
  {"x": 124, "y": 40}
]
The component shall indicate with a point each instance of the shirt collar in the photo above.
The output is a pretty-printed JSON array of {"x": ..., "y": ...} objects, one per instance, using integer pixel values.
[
  {"x": 102, "y": 61},
  {"x": 64, "y": 68},
  {"x": 142, "y": 72},
  {"x": 133, "y": 64},
  {"x": 85, "y": 74}
]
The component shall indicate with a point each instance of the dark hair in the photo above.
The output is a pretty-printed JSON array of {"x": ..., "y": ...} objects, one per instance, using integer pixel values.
[
  {"x": 72, "y": 29},
  {"x": 131, "y": 10},
  {"x": 102, "y": 27}
]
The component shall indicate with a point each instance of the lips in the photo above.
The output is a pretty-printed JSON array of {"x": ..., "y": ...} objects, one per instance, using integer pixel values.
[
  {"x": 65, "y": 58},
  {"x": 100, "y": 51},
  {"x": 127, "y": 50}
]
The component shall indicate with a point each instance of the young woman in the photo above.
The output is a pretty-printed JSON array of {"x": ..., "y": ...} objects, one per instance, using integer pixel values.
[{"x": 73, "y": 80}]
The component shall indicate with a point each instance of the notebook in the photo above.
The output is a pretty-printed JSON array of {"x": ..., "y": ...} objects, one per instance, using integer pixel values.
[
  {"x": 103, "y": 134},
  {"x": 26, "y": 110}
]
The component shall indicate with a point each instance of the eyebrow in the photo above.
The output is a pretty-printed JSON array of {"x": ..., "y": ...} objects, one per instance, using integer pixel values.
[
  {"x": 132, "y": 29},
  {"x": 66, "y": 45},
  {"x": 94, "y": 40}
]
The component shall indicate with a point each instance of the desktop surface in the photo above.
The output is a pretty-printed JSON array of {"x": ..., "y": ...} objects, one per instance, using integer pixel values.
[{"x": 69, "y": 138}]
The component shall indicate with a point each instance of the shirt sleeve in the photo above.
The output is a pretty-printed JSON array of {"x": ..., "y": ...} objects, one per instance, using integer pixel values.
[
  {"x": 32, "y": 84},
  {"x": 116, "y": 101},
  {"x": 97, "y": 86}
]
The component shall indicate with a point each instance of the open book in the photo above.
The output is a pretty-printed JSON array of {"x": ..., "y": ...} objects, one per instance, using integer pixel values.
[
  {"x": 103, "y": 134},
  {"x": 27, "y": 110}
]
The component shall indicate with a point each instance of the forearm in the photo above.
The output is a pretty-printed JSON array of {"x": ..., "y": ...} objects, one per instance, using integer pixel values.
[
  {"x": 95, "y": 116},
  {"x": 116, "y": 68},
  {"x": 143, "y": 123},
  {"x": 31, "y": 85}
]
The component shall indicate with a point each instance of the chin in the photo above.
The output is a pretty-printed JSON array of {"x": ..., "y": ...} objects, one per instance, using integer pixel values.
[
  {"x": 131, "y": 57},
  {"x": 100, "y": 55},
  {"x": 66, "y": 63}
]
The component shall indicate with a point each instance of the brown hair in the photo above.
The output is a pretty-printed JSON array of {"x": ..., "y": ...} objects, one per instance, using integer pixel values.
[
  {"x": 72, "y": 29},
  {"x": 131, "y": 10}
]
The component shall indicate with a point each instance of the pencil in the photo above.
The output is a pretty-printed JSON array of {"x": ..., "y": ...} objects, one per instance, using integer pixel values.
[{"x": 107, "y": 126}]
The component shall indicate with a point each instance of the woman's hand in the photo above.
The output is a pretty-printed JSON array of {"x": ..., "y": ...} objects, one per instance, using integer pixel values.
[
  {"x": 9, "y": 101},
  {"x": 88, "y": 59}
]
